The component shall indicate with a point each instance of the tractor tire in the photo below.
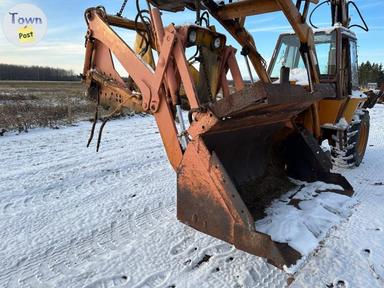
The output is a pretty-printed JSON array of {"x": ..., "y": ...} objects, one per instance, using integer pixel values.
[{"x": 352, "y": 151}]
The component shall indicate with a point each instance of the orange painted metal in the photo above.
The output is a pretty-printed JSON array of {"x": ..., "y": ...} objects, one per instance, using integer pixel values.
[
  {"x": 170, "y": 72},
  {"x": 162, "y": 65},
  {"x": 329, "y": 110},
  {"x": 332, "y": 110},
  {"x": 143, "y": 76},
  {"x": 352, "y": 106},
  {"x": 213, "y": 205},
  {"x": 88, "y": 58},
  {"x": 142, "y": 73},
  {"x": 185, "y": 75},
  {"x": 235, "y": 142},
  {"x": 248, "y": 8},
  {"x": 244, "y": 38},
  {"x": 235, "y": 71}
]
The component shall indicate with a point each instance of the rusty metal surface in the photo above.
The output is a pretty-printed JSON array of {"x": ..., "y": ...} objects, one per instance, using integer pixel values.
[
  {"x": 227, "y": 180},
  {"x": 262, "y": 96},
  {"x": 114, "y": 94},
  {"x": 308, "y": 162},
  {"x": 246, "y": 8},
  {"x": 148, "y": 81},
  {"x": 277, "y": 254},
  {"x": 125, "y": 23},
  {"x": 213, "y": 206},
  {"x": 245, "y": 39},
  {"x": 252, "y": 158},
  {"x": 241, "y": 149},
  {"x": 251, "y": 165},
  {"x": 173, "y": 6},
  {"x": 373, "y": 98}
]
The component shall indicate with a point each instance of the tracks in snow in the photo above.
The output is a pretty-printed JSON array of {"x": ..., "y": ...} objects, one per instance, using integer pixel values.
[
  {"x": 70, "y": 187},
  {"x": 63, "y": 257},
  {"x": 72, "y": 218}
]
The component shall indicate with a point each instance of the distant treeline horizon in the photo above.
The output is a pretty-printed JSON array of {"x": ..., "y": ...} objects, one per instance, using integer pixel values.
[
  {"x": 368, "y": 72},
  {"x": 36, "y": 73}
]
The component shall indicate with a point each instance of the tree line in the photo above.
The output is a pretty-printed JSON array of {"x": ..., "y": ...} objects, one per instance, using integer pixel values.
[
  {"x": 368, "y": 73},
  {"x": 36, "y": 73},
  {"x": 371, "y": 73}
]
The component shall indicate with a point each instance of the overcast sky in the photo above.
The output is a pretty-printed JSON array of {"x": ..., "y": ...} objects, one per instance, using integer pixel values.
[{"x": 63, "y": 46}]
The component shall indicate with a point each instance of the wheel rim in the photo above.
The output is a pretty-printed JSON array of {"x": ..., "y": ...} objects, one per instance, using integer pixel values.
[{"x": 363, "y": 139}]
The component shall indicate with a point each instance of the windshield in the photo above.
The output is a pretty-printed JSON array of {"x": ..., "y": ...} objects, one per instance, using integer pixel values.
[{"x": 288, "y": 54}]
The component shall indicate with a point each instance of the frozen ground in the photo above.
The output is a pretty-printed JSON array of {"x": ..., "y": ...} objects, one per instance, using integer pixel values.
[{"x": 72, "y": 218}]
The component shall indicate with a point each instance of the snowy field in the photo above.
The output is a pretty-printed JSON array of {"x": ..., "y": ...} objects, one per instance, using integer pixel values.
[{"x": 70, "y": 217}]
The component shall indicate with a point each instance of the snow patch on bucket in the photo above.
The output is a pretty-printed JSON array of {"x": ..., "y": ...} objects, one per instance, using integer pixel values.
[{"x": 302, "y": 217}]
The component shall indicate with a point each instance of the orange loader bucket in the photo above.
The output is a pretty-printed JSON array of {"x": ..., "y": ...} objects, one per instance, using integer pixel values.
[{"x": 234, "y": 170}]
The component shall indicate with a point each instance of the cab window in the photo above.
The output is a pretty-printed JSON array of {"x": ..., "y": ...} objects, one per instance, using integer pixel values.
[{"x": 288, "y": 54}]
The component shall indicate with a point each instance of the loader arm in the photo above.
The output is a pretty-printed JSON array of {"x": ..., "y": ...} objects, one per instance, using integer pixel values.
[
  {"x": 229, "y": 14},
  {"x": 243, "y": 141},
  {"x": 148, "y": 80}
]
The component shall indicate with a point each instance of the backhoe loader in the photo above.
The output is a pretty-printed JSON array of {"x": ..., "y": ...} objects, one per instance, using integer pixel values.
[{"x": 239, "y": 144}]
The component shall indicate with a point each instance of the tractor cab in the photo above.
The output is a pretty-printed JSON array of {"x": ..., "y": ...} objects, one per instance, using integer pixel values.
[{"x": 336, "y": 51}]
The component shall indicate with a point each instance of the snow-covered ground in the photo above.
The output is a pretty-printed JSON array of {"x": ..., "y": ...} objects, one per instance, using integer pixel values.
[{"x": 70, "y": 217}]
